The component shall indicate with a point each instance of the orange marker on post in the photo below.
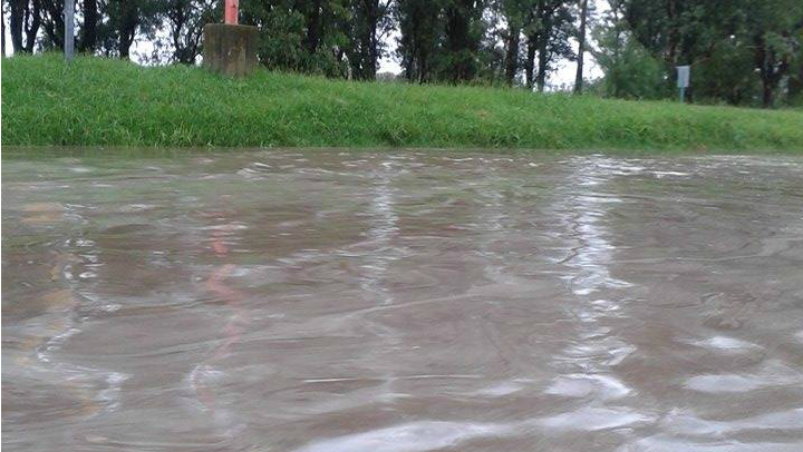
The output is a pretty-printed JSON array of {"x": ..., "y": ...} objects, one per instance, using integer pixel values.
[{"x": 231, "y": 13}]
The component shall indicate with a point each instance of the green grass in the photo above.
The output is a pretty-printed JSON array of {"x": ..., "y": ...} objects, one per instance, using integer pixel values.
[{"x": 103, "y": 102}]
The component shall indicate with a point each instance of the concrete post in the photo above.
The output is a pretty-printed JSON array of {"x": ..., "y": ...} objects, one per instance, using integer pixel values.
[{"x": 229, "y": 48}]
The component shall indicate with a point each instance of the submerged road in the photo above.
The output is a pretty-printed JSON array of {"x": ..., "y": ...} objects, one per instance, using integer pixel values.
[{"x": 329, "y": 301}]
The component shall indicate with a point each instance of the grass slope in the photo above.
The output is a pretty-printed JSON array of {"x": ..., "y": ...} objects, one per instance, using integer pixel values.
[{"x": 103, "y": 102}]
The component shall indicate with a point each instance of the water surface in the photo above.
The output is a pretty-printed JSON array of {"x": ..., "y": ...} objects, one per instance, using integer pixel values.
[{"x": 327, "y": 301}]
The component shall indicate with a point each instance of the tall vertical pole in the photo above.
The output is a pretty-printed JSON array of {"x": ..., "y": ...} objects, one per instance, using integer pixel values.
[
  {"x": 230, "y": 15},
  {"x": 3, "y": 28},
  {"x": 69, "y": 29}
]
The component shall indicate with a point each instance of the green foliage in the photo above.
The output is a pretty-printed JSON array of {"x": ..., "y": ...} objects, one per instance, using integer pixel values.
[
  {"x": 631, "y": 72},
  {"x": 756, "y": 42},
  {"x": 726, "y": 76},
  {"x": 103, "y": 102},
  {"x": 742, "y": 52},
  {"x": 420, "y": 24},
  {"x": 301, "y": 35}
]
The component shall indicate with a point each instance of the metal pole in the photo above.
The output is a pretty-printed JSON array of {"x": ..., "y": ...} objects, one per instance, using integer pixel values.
[
  {"x": 231, "y": 13},
  {"x": 682, "y": 94},
  {"x": 3, "y": 23},
  {"x": 69, "y": 29}
]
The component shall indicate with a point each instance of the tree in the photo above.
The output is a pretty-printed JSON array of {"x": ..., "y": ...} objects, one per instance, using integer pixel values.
[
  {"x": 711, "y": 33},
  {"x": 556, "y": 28},
  {"x": 631, "y": 72},
  {"x": 185, "y": 22},
  {"x": 370, "y": 20},
  {"x": 53, "y": 22},
  {"x": 302, "y": 35},
  {"x": 52, "y": 15},
  {"x": 548, "y": 29},
  {"x": 678, "y": 32},
  {"x": 775, "y": 27},
  {"x": 514, "y": 14},
  {"x": 24, "y": 22},
  {"x": 463, "y": 32},
  {"x": 795, "y": 94},
  {"x": 125, "y": 17},
  {"x": 421, "y": 28},
  {"x": 123, "y": 21},
  {"x": 88, "y": 36},
  {"x": 581, "y": 48}
]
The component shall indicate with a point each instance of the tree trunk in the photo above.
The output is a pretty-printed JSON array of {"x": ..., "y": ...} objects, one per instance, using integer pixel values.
[
  {"x": 89, "y": 36},
  {"x": 529, "y": 63},
  {"x": 771, "y": 68},
  {"x": 15, "y": 23},
  {"x": 423, "y": 65},
  {"x": 368, "y": 54},
  {"x": 373, "y": 40},
  {"x": 767, "y": 93},
  {"x": 35, "y": 22},
  {"x": 542, "y": 62},
  {"x": 54, "y": 23},
  {"x": 673, "y": 36},
  {"x": 458, "y": 40},
  {"x": 796, "y": 87},
  {"x": 578, "y": 79},
  {"x": 25, "y": 20},
  {"x": 314, "y": 27},
  {"x": 177, "y": 15},
  {"x": 127, "y": 29},
  {"x": 512, "y": 54}
]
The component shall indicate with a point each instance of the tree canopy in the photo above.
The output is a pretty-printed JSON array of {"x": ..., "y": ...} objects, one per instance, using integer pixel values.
[{"x": 742, "y": 52}]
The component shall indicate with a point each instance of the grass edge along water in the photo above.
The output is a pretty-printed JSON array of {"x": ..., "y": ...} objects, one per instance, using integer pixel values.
[{"x": 113, "y": 103}]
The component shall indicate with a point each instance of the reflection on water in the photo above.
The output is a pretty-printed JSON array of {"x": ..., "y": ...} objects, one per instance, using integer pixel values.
[{"x": 408, "y": 302}]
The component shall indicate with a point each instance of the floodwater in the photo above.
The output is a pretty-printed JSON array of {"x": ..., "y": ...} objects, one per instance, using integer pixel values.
[{"x": 326, "y": 301}]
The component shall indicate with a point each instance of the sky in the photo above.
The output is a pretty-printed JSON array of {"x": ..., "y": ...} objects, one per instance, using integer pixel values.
[{"x": 563, "y": 76}]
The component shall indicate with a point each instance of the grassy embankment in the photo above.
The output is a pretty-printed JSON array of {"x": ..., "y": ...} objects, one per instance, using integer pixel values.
[{"x": 101, "y": 102}]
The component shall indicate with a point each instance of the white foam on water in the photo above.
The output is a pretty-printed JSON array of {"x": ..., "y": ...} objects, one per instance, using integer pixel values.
[
  {"x": 725, "y": 344},
  {"x": 594, "y": 419},
  {"x": 412, "y": 437},
  {"x": 581, "y": 385}
]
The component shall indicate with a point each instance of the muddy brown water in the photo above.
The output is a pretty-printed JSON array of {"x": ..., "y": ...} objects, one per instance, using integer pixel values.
[{"x": 403, "y": 302}]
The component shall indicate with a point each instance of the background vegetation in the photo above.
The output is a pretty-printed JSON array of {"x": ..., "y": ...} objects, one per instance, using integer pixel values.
[
  {"x": 107, "y": 102},
  {"x": 743, "y": 52}
]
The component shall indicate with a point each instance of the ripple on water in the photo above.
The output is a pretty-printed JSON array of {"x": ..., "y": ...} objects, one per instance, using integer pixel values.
[
  {"x": 726, "y": 383},
  {"x": 602, "y": 387},
  {"x": 665, "y": 443},
  {"x": 595, "y": 418},
  {"x": 413, "y": 437},
  {"x": 728, "y": 345}
]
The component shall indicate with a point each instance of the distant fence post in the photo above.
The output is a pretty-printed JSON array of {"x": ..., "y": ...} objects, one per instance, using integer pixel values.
[{"x": 69, "y": 29}]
